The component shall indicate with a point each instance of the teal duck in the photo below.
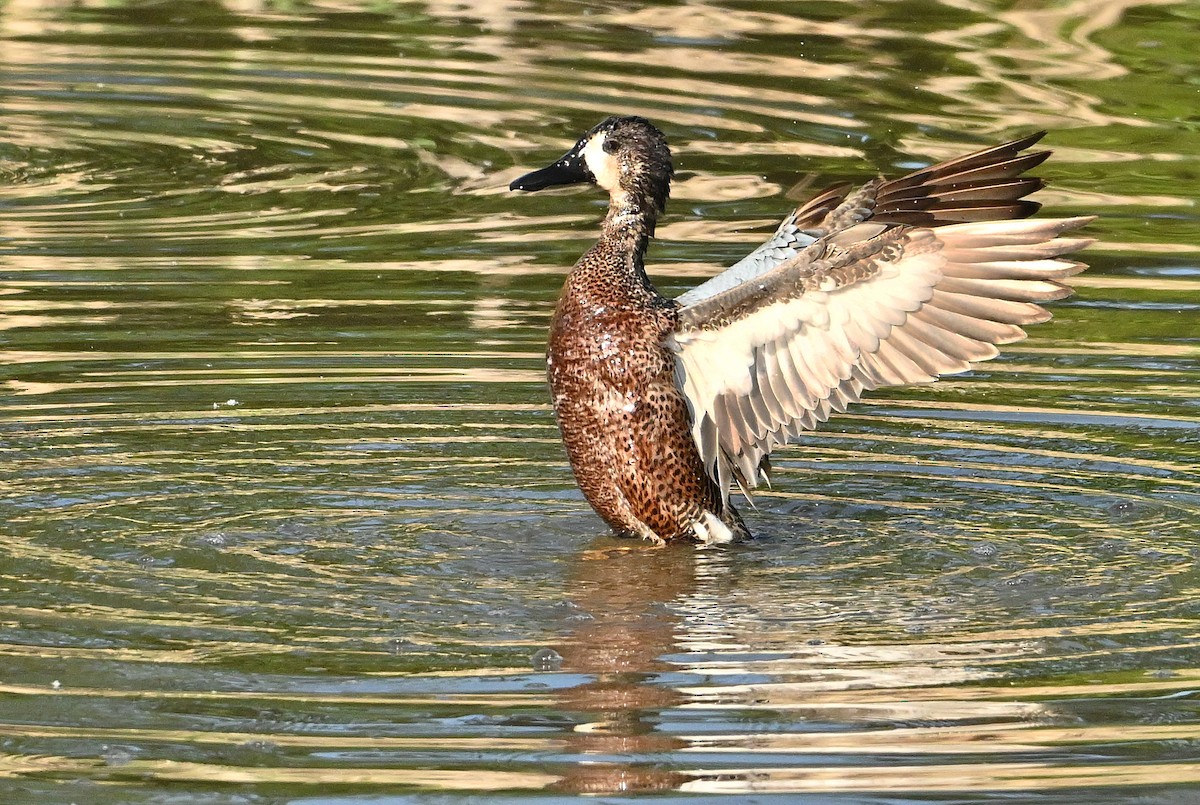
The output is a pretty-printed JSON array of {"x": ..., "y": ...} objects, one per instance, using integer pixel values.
[{"x": 665, "y": 404}]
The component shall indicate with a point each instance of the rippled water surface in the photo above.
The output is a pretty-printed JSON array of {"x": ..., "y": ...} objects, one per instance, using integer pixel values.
[{"x": 284, "y": 517}]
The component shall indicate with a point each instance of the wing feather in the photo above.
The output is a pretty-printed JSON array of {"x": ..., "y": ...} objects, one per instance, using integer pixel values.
[
  {"x": 958, "y": 349},
  {"x": 772, "y": 399},
  {"x": 945, "y": 321},
  {"x": 897, "y": 282},
  {"x": 783, "y": 372},
  {"x": 988, "y": 309},
  {"x": 759, "y": 366},
  {"x": 1012, "y": 290}
]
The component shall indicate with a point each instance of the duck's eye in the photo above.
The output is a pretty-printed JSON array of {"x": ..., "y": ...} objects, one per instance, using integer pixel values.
[{"x": 609, "y": 145}]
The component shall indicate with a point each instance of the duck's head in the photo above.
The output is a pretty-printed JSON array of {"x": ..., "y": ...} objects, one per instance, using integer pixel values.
[{"x": 627, "y": 156}]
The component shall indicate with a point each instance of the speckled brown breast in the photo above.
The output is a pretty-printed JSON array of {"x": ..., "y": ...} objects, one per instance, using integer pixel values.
[{"x": 623, "y": 420}]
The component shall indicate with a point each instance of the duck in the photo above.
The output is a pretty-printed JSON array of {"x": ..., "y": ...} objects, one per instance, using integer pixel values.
[{"x": 666, "y": 405}]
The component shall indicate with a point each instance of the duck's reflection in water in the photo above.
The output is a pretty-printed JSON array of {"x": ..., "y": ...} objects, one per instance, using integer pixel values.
[
  {"x": 663, "y": 639},
  {"x": 629, "y": 599}
]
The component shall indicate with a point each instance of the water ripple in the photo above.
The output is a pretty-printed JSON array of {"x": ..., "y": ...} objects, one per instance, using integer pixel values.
[{"x": 284, "y": 506}]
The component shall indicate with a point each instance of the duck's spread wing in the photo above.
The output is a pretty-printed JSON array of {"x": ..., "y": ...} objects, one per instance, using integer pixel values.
[
  {"x": 874, "y": 301},
  {"x": 984, "y": 185},
  {"x": 798, "y": 231}
]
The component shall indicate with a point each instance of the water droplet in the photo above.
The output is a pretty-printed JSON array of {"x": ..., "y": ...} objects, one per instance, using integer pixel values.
[
  {"x": 546, "y": 659},
  {"x": 985, "y": 550}
]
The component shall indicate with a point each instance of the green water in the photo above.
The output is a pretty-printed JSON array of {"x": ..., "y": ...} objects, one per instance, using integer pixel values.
[{"x": 284, "y": 517}]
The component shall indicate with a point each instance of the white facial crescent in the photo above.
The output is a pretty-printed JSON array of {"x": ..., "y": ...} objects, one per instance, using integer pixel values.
[{"x": 602, "y": 164}]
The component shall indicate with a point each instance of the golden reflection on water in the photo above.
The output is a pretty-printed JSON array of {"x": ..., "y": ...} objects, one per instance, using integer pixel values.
[
  {"x": 1000, "y": 739},
  {"x": 702, "y": 20},
  {"x": 693, "y": 671},
  {"x": 723, "y": 62},
  {"x": 991, "y": 776},
  {"x": 620, "y": 647},
  {"x": 157, "y": 771}
]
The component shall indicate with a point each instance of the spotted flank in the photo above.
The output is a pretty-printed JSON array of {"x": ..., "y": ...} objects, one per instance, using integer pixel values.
[{"x": 664, "y": 405}]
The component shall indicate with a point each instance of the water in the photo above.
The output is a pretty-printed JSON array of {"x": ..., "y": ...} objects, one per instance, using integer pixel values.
[{"x": 285, "y": 515}]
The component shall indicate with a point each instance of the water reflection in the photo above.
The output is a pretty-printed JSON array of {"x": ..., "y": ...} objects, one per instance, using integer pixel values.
[
  {"x": 284, "y": 512},
  {"x": 627, "y": 624},
  {"x": 682, "y": 692}
]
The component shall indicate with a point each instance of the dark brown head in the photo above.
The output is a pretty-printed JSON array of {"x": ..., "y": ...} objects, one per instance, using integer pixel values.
[{"x": 627, "y": 156}]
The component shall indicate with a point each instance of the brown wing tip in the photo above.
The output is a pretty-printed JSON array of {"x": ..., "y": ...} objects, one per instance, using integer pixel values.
[
  {"x": 984, "y": 185},
  {"x": 816, "y": 208}
]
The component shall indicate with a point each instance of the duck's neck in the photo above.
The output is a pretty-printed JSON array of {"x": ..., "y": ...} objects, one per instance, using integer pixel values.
[
  {"x": 612, "y": 275},
  {"x": 630, "y": 223}
]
